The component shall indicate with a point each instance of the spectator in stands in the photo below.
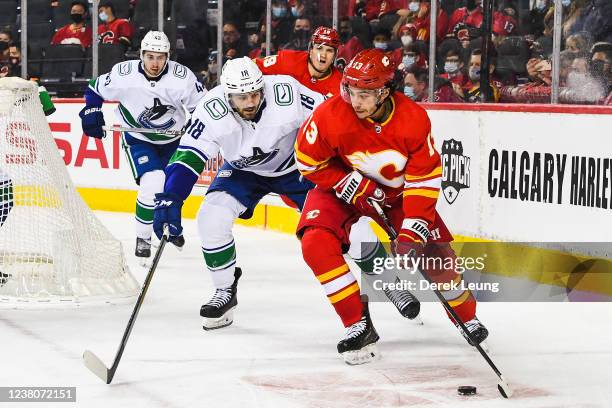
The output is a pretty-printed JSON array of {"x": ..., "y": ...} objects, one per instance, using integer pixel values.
[
  {"x": 504, "y": 24},
  {"x": 14, "y": 60},
  {"x": 382, "y": 38},
  {"x": 113, "y": 30},
  {"x": 538, "y": 90},
  {"x": 577, "y": 43},
  {"x": 298, "y": 8},
  {"x": 192, "y": 44},
  {"x": 581, "y": 85},
  {"x": 601, "y": 66},
  {"x": 572, "y": 16},
  {"x": 351, "y": 44},
  {"x": 472, "y": 92},
  {"x": 300, "y": 37},
  {"x": 423, "y": 19},
  {"x": 534, "y": 23},
  {"x": 282, "y": 25},
  {"x": 77, "y": 32},
  {"x": 471, "y": 15},
  {"x": 416, "y": 83},
  {"x": 566, "y": 58},
  {"x": 374, "y": 9},
  {"x": 408, "y": 54},
  {"x": 453, "y": 69},
  {"x": 232, "y": 40},
  {"x": 5, "y": 41},
  {"x": 597, "y": 19}
]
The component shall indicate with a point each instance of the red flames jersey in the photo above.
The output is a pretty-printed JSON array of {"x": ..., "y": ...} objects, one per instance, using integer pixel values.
[
  {"x": 69, "y": 35},
  {"x": 398, "y": 154},
  {"x": 295, "y": 64},
  {"x": 112, "y": 32}
]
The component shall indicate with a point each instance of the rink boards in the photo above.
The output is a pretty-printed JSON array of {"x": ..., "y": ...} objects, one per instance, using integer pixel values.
[{"x": 510, "y": 173}]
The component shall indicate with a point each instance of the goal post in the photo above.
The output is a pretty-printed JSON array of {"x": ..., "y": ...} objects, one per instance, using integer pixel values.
[{"x": 53, "y": 250}]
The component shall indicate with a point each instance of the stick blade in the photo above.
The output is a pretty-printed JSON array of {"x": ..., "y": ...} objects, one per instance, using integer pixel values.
[
  {"x": 503, "y": 388},
  {"x": 96, "y": 366}
]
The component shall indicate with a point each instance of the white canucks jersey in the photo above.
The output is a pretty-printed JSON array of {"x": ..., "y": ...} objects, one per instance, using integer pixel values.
[
  {"x": 158, "y": 104},
  {"x": 263, "y": 146}
]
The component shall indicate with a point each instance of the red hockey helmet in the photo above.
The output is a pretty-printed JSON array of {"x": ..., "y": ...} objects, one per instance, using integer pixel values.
[
  {"x": 369, "y": 69},
  {"x": 326, "y": 36}
]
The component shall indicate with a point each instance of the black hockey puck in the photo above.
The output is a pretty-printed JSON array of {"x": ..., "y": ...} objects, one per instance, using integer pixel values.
[{"x": 466, "y": 390}]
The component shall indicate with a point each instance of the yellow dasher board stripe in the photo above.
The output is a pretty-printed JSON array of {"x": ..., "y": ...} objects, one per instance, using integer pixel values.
[{"x": 35, "y": 196}]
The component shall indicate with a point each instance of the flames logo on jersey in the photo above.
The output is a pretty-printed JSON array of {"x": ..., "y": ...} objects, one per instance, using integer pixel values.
[
  {"x": 258, "y": 158},
  {"x": 158, "y": 116},
  {"x": 373, "y": 165},
  {"x": 455, "y": 169}
]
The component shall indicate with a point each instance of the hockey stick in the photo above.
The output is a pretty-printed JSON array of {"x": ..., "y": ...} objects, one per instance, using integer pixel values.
[
  {"x": 92, "y": 362},
  {"x": 142, "y": 130},
  {"x": 502, "y": 385}
]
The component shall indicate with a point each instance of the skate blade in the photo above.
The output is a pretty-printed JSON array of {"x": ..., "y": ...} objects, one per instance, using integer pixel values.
[
  {"x": 213, "y": 323},
  {"x": 364, "y": 355}
]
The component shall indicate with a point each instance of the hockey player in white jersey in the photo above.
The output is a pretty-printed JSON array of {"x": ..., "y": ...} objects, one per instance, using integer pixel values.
[
  {"x": 153, "y": 93},
  {"x": 253, "y": 121}
]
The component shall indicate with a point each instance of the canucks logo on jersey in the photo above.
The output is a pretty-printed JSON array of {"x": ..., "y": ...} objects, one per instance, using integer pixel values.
[
  {"x": 259, "y": 157},
  {"x": 158, "y": 116}
]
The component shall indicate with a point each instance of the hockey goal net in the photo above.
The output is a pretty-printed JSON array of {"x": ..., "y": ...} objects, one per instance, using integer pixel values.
[{"x": 53, "y": 249}]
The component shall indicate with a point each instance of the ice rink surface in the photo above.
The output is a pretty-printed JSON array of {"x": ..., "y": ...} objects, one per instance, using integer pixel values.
[{"x": 281, "y": 349}]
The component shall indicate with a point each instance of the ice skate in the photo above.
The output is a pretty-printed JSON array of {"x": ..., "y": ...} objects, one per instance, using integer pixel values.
[
  {"x": 219, "y": 311},
  {"x": 405, "y": 302},
  {"x": 359, "y": 344}
]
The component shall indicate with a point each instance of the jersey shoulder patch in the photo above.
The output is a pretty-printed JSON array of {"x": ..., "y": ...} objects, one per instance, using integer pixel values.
[
  {"x": 214, "y": 105},
  {"x": 125, "y": 68},
  {"x": 180, "y": 71}
]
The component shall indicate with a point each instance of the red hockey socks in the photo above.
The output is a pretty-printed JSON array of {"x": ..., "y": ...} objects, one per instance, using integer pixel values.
[{"x": 322, "y": 251}]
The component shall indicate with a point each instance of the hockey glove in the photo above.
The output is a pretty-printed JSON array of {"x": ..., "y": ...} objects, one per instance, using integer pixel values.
[
  {"x": 412, "y": 237},
  {"x": 360, "y": 191},
  {"x": 92, "y": 121},
  {"x": 168, "y": 212}
]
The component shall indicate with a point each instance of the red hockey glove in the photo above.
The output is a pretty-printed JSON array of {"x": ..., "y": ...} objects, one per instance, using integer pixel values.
[
  {"x": 358, "y": 190},
  {"x": 412, "y": 237}
]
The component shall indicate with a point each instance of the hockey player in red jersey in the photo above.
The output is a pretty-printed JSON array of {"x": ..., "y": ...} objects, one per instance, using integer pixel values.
[
  {"x": 371, "y": 144},
  {"x": 313, "y": 68}
]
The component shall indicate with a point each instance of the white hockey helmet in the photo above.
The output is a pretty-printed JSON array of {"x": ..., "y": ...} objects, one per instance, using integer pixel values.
[
  {"x": 156, "y": 41},
  {"x": 240, "y": 75}
]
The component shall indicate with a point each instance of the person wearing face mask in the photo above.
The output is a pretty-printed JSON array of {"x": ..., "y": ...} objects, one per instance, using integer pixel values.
[
  {"x": 351, "y": 44},
  {"x": 381, "y": 39},
  {"x": 418, "y": 14},
  {"x": 471, "y": 91},
  {"x": 453, "y": 69},
  {"x": 416, "y": 82},
  {"x": 408, "y": 54},
  {"x": 77, "y": 32},
  {"x": 5, "y": 41},
  {"x": 282, "y": 24},
  {"x": 601, "y": 65},
  {"x": 298, "y": 8},
  {"x": 113, "y": 30},
  {"x": 302, "y": 29}
]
